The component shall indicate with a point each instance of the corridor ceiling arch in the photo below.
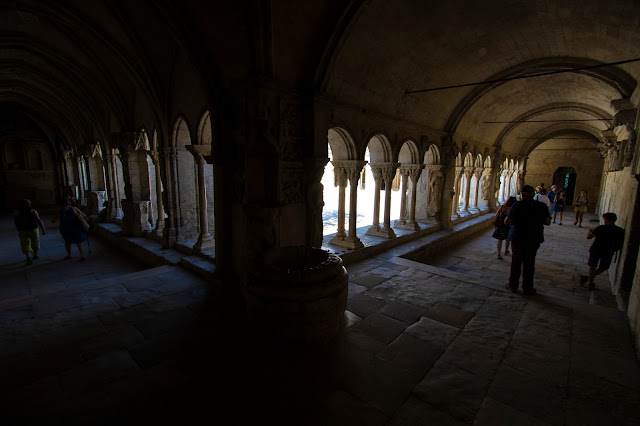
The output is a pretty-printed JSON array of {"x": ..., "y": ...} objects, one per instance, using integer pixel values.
[{"x": 416, "y": 45}]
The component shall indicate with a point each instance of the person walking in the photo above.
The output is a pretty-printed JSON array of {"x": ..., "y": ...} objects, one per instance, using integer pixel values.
[
  {"x": 582, "y": 201},
  {"x": 501, "y": 233},
  {"x": 71, "y": 228},
  {"x": 558, "y": 205},
  {"x": 542, "y": 197},
  {"x": 552, "y": 197},
  {"x": 527, "y": 218},
  {"x": 608, "y": 239},
  {"x": 28, "y": 224}
]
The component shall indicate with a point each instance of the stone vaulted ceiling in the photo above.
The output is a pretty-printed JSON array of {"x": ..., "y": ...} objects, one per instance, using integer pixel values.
[{"x": 390, "y": 48}]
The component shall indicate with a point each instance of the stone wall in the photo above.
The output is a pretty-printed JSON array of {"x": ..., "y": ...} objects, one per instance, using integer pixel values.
[
  {"x": 634, "y": 310},
  {"x": 582, "y": 155},
  {"x": 618, "y": 189}
]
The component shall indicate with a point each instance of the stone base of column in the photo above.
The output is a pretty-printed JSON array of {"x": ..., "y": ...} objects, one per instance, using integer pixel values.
[
  {"x": 348, "y": 242},
  {"x": 372, "y": 230},
  {"x": 204, "y": 243},
  {"x": 408, "y": 225},
  {"x": 383, "y": 232},
  {"x": 135, "y": 221},
  {"x": 399, "y": 223}
]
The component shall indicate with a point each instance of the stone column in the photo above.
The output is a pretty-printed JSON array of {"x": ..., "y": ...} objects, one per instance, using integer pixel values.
[
  {"x": 404, "y": 173},
  {"x": 155, "y": 157},
  {"x": 376, "y": 171},
  {"x": 519, "y": 180},
  {"x": 510, "y": 184},
  {"x": 447, "y": 213},
  {"x": 414, "y": 174},
  {"x": 340, "y": 175},
  {"x": 503, "y": 187},
  {"x": 81, "y": 180},
  {"x": 354, "y": 168},
  {"x": 112, "y": 188},
  {"x": 388, "y": 173},
  {"x": 468, "y": 173},
  {"x": 456, "y": 193},
  {"x": 168, "y": 156},
  {"x": 205, "y": 240},
  {"x": 475, "y": 205}
]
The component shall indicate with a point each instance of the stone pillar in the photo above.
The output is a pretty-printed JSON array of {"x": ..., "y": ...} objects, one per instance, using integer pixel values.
[
  {"x": 205, "y": 240},
  {"x": 112, "y": 188},
  {"x": 315, "y": 200},
  {"x": 340, "y": 175},
  {"x": 519, "y": 180},
  {"x": 155, "y": 158},
  {"x": 95, "y": 199},
  {"x": 136, "y": 211},
  {"x": 353, "y": 174},
  {"x": 456, "y": 193},
  {"x": 388, "y": 173},
  {"x": 475, "y": 205},
  {"x": 448, "y": 194},
  {"x": 82, "y": 182},
  {"x": 404, "y": 173},
  {"x": 468, "y": 173},
  {"x": 376, "y": 171},
  {"x": 510, "y": 180},
  {"x": 414, "y": 174},
  {"x": 168, "y": 156},
  {"x": 436, "y": 182},
  {"x": 503, "y": 186}
]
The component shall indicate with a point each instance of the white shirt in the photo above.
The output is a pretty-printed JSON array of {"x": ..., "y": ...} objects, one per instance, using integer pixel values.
[{"x": 543, "y": 199}]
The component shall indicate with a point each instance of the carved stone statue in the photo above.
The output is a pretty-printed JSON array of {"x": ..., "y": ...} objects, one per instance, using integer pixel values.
[
  {"x": 496, "y": 185},
  {"x": 486, "y": 179},
  {"x": 435, "y": 193}
]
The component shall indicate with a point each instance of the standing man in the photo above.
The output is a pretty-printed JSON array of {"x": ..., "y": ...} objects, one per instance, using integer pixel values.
[
  {"x": 552, "y": 197},
  {"x": 541, "y": 195},
  {"x": 527, "y": 218},
  {"x": 608, "y": 239},
  {"x": 28, "y": 222}
]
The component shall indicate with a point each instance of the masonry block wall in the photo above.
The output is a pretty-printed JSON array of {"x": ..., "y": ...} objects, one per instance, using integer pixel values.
[{"x": 583, "y": 156}]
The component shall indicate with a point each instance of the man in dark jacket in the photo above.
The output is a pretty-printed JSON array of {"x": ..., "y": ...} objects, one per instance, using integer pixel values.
[{"x": 527, "y": 218}]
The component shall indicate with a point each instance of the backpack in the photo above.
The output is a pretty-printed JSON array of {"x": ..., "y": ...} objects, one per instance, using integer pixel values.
[
  {"x": 26, "y": 221},
  {"x": 618, "y": 240},
  {"x": 498, "y": 218}
]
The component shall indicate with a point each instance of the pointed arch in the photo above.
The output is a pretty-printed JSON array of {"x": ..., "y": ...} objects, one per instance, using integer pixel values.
[{"x": 204, "y": 129}]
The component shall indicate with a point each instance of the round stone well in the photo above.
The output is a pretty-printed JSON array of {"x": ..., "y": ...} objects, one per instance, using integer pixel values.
[{"x": 297, "y": 294}]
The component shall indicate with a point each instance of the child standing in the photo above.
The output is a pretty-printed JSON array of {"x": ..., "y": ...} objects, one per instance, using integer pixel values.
[
  {"x": 581, "y": 207},
  {"x": 608, "y": 239}
]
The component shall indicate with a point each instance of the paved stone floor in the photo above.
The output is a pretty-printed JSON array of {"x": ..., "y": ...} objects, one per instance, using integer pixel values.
[{"x": 106, "y": 342}]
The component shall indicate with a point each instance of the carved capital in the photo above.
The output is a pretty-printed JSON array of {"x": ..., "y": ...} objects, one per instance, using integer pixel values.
[
  {"x": 200, "y": 152},
  {"x": 168, "y": 152},
  {"x": 389, "y": 171},
  {"x": 155, "y": 157},
  {"x": 350, "y": 168},
  {"x": 468, "y": 172},
  {"x": 412, "y": 170},
  {"x": 376, "y": 171}
]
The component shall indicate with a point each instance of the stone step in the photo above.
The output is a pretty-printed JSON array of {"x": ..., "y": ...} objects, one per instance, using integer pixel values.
[{"x": 201, "y": 266}]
